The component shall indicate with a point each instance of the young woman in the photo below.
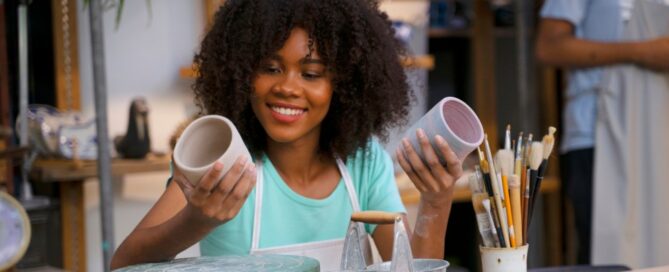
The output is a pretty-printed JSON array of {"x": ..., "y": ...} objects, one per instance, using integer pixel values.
[{"x": 308, "y": 85}]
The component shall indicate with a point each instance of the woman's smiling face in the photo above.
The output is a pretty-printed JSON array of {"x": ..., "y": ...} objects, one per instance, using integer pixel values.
[{"x": 292, "y": 91}]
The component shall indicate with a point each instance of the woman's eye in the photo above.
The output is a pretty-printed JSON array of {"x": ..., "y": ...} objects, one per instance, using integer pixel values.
[
  {"x": 272, "y": 70},
  {"x": 311, "y": 75}
]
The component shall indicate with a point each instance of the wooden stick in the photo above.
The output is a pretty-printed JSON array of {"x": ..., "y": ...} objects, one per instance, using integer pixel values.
[{"x": 375, "y": 217}]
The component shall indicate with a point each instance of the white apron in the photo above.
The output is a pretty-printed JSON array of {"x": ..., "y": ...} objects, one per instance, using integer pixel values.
[
  {"x": 631, "y": 223},
  {"x": 328, "y": 252}
]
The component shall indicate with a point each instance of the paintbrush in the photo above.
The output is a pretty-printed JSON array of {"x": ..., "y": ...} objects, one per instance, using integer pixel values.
[
  {"x": 535, "y": 161},
  {"x": 524, "y": 185},
  {"x": 482, "y": 218},
  {"x": 495, "y": 215},
  {"x": 496, "y": 193},
  {"x": 546, "y": 148},
  {"x": 491, "y": 218},
  {"x": 524, "y": 205},
  {"x": 507, "y": 137},
  {"x": 514, "y": 191},
  {"x": 518, "y": 164},
  {"x": 504, "y": 160},
  {"x": 548, "y": 143}
]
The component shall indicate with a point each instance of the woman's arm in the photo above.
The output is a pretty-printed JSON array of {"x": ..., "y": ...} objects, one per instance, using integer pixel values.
[
  {"x": 435, "y": 182},
  {"x": 154, "y": 238},
  {"x": 422, "y": 245},
  {"x": 558, "y": 46},
  {"x": 185, "y": 214}
]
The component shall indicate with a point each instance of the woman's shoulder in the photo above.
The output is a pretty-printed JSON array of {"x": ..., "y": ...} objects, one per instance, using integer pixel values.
[
  {"x": 370, "y": 160},
  {"x": 372, "y": 151}
]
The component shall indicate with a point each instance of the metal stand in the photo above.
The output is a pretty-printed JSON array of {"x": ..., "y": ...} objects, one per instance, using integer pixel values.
[{"x": 104, "y": 158}]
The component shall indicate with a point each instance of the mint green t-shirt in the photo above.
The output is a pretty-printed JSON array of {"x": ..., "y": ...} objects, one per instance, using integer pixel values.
[{"x": 289, "y": 218}]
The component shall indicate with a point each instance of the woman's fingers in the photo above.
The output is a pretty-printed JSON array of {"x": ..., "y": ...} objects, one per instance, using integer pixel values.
[
  {"x": 228, "y": 182},
  {"x": 409, "y": 170},
  {"x": 207, "y": 182},
  {"x": 432, "y": 160},
  {"x": 237, "y": 197},
  {"x": 419, "y": 167},
  {"x": 452, "y": 161}
]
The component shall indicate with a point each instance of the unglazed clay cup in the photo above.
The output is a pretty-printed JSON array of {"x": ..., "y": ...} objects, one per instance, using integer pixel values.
[
  {"x": 206, "y": 140},
  {"x": 455, "y": 121}
]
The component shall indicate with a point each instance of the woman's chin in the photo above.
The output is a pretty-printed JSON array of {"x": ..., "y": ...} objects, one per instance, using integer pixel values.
[{"x": 282, "y": 138}]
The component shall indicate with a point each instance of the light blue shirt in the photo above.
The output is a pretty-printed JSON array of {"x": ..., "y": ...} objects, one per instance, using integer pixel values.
[
  {"x": 290, "y": 218},
  {"x": 596, "y": 20}
]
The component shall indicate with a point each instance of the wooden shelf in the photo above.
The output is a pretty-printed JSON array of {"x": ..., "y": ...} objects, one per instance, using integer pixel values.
[
  {"x": 420, "y": 62},
  {"x": 449, "y": 33},
  {"x": 411, "y": 195},
  {"x": 499, "y": 32},
  {"x": 61, "y": 170}
]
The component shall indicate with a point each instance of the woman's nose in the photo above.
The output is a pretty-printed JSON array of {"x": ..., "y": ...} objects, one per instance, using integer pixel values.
[{"x": 287, "y": 85}]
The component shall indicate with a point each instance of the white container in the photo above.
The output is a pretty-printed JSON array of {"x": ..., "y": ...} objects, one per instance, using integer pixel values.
[
  {"x": 455, "y": 121},
  {"x": 504, "y": 259},
  {"x": 206, "y": 140}
]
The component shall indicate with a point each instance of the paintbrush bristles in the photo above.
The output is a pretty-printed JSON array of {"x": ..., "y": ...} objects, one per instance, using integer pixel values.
[
  {"x": 548, "y": 143},
  {"x": 536, "y": 155},
  {"x": 551, "y": 131},
  {"x": 504, "y": 160},
  {"x": 507, "y": 137}
]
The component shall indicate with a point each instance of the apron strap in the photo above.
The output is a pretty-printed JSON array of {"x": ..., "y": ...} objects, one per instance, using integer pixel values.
[
  {"x": 348, "y": 182},
  {"x": 255, "y": 240},
  {"x": 352, "y": 195}
]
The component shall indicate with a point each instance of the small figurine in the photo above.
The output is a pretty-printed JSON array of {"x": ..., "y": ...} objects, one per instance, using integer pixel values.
[{"x": 136, "y": 143}]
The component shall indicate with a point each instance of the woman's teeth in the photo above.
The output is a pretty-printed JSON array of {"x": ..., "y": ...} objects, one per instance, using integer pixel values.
[{"x": 287, "y": 111}]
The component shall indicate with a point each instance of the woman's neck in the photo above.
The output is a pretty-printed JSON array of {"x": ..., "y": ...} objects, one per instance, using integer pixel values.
[{"x": 300, "y": 162}]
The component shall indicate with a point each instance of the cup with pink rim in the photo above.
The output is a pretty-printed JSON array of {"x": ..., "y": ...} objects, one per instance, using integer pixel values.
[
  {"x": 206, "y": 140},
  {"x": 453, "y": 120}
]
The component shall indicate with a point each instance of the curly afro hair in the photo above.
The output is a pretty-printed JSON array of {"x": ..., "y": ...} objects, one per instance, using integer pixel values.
[{"x": 355, "y": 40}]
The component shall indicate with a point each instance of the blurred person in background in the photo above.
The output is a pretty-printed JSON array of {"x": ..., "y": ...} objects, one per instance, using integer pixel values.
[{"x": 584, "y": 37}]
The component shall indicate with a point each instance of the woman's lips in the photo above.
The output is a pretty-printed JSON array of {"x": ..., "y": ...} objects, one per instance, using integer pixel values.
[{"x": 286, "y": 113}]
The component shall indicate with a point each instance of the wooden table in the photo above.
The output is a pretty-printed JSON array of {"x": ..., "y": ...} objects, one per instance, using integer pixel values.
[{"x": 70, "y": 177}]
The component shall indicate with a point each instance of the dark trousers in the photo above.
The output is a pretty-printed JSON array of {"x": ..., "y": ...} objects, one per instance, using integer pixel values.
[{"x": 577, "y": 178}]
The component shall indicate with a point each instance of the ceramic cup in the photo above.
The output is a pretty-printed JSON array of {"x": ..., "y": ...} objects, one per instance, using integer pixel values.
[
  {"x": 504, "y": 259},
  {"x": 455, "y": 121},
  {"x": 206, "y": 140}
]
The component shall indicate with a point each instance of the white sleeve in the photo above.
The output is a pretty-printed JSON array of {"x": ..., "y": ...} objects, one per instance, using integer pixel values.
[{"x": 573, "y": 11}]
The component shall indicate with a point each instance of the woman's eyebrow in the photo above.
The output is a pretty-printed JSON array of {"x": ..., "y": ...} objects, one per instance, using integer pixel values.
[
  {"x": 312, "y": 61},
  {"x": 275, "y": 57}
]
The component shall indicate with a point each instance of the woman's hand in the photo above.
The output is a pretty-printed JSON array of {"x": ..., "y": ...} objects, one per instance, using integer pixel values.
[
  {"x": 218, "y": 198},
  {"x": 434, "y": 180}
]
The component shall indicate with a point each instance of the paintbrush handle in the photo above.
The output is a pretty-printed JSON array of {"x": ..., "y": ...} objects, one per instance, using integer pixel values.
[
  {"x": 525, "y": 200},
  {"x": 498, "y": 224},
  {"x": 542, "y": 168},
  {"x": 533, "y": 196},
  {"x": 509, "y": 215},
  {"x": 517, "y": 217},
  {"x": 499, "y": 209},
  {"x": 536, "y": 191},
  {"x": 488, "y": 185},
  {"x": 375, "y": 217}
]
